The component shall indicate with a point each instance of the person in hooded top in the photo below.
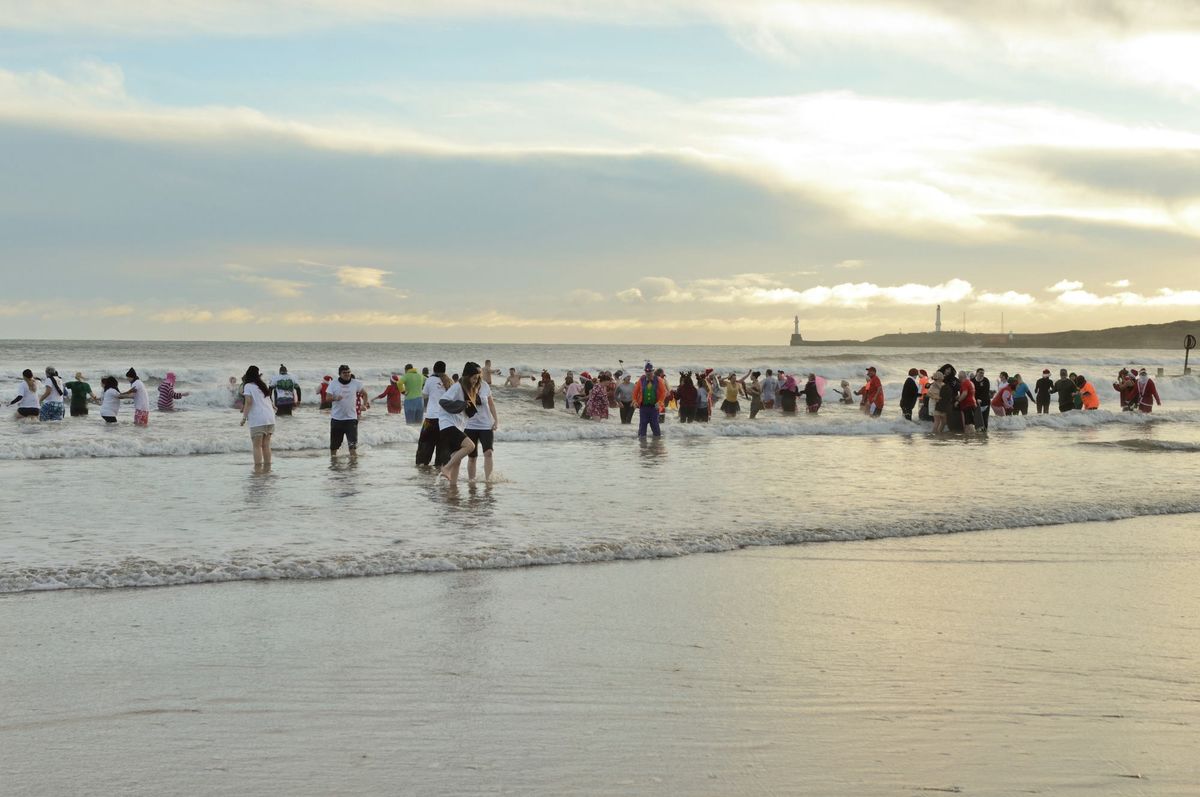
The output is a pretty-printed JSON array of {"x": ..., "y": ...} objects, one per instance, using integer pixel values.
[
  {"x": 1042, "y": 390},
  {"x": 909, "y": 393},
  {"x": 52, "y": 397},
  {"x": 1127, "y": 387},
  {"x": 167, "y": 393},
  {"x": 1147, "y": 392},
  {"x": 394, "y": 393},
  {"x": 789, "y": 391}
]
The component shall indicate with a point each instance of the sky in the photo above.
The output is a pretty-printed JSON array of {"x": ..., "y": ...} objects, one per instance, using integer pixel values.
[{"x": 651, "y": 171}]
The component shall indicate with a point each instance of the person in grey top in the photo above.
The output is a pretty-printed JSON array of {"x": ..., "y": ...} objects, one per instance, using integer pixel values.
[{"x": 625, "y": 399}]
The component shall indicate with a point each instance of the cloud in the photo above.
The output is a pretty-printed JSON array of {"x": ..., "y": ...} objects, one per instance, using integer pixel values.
[
  {"x": 1006, "y": 299},
  {"x": 760, "y": 289},
  {"x": 1165, "y": 297},
  {"x": 1063, "y": 286},
  {"x": 1118, "y": 284},
  {"x": 183, "y": 315},
  {"x": 849, "y": 264},
  {"x": 582, "y": 296},
  {"x": 282, "y": 288},
  {"x": 360, "y": 277}
]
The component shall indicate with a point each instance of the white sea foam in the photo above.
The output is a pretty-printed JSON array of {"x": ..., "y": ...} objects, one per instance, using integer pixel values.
[{"x": 145, "y": 572}]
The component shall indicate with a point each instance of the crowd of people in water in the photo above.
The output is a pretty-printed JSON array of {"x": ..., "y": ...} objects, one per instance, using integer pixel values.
[{"x": 458, "y": 418}]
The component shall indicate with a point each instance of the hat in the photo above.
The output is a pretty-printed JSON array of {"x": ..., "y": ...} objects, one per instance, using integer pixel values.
[
  {"x": 649, "y": 366},
  {"x": 585, "y": 375},
  {"x": 170, "y": 378},
  {"x": 870, "y": 369}
]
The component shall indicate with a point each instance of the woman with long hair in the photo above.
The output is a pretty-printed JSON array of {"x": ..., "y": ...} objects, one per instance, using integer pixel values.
[
  {"x": 259, "y": 411},
  {"x": 460, "y": 402},
  {"x": 27, "y": 401},
  {"x": 52, "y": 397}
]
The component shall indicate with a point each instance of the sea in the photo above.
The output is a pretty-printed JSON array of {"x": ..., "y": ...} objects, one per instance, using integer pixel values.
[{"x": 87, "y": 505}]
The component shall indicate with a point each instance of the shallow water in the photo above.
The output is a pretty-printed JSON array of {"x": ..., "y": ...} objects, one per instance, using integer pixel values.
[{"x": 83, "y": 509}]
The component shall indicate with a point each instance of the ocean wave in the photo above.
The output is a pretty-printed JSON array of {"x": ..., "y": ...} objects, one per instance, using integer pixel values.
[
  {"x": 1147, "y": 445},
  {"x": 54, "y": 441},
  {"x": 145, "y": 572}
]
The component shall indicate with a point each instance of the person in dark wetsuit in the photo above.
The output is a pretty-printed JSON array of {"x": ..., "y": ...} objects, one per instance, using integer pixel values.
[
  {"x": 1066, "y": 390},
  {"x": 983, "y": 396},
  {"x": 909, "y": 393},
  {"x": 1042, "y": 390}
]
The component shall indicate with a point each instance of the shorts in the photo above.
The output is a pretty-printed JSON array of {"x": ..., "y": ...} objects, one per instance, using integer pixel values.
[
  {"x": 482, "y": 438},
  {"x": 730, "y": 406},
  {"x": 51, "y": 411},
  {"x": 343, "y": 430},
  {"x": 141, "y": 417},
  {"x": 109, "y": 418},
  {"x": 283, "y": 409},
  {"x": 77, "y": 412},
  {"x": 262, "y": 431},
  {"x": 939, "y": 414},
  {"x": 769, "y": 404},
  {"x": 28, "y": 412},
  {"x": 451, "y": 438}
]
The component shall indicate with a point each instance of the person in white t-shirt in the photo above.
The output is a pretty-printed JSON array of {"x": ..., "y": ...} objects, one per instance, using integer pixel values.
[
  {"x": 460, "y": 402},
  {"x": 27, "y": 401},
  {"x": 260, "y": 413},
  {"x": 481, "y": 428},
  {"x": 141, "y": 398},
  {"x": 345, "y": 392},
  {"x": 52, "y": 397},
  {"x": 429, "y": 447},
  {"x": 110, "y": 402}
]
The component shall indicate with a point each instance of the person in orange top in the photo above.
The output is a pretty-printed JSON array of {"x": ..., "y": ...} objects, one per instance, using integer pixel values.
[
  {"x": 1087, "y": 393},
  {"x": 872, "y": 394},
  {"x": 649, "y": 396}
]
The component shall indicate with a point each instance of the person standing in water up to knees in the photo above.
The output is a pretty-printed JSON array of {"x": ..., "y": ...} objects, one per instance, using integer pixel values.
[
  {"x": 625, "y": 399},
  {"x": 649, "y": 396},
  {"x": 909, "y": 394},
  {"x": 167, "y": 393},
  {"x": 345, "y": 392},
  {"x": 966, "y": 402},
  {"x": 942, "y": 396},
  {"x": 1043, "y": 388},
  {"x": 414, "y": 404},
  {"x": 459, "y": 403},
  {"x": 481, "y": 429},
  {"x": 770, "y": 386},
  {"x": 429, "y": 447},
  {"x": 258, "y": 411},
  {"x": 394, "y": 393},
  {"x": 141, "y": 398}
]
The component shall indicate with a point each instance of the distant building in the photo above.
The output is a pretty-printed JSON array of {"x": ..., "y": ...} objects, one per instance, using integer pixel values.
[
  {"x": 797, "y": 339},
  {"x": 937, "y": 324}
]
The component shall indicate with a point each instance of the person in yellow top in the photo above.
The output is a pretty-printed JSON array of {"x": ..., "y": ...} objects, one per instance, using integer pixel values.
[
  {"x": 733, "y": 387},
  {"x": 649, "y": 396},
  {"x": 410, "y": 385}
]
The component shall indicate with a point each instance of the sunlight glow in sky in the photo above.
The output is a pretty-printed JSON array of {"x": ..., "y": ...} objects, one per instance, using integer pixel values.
[{"x": 569, "y": 171}]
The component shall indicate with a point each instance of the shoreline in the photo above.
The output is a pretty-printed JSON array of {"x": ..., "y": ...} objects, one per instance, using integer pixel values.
[{"x": 1048, "y": 660}]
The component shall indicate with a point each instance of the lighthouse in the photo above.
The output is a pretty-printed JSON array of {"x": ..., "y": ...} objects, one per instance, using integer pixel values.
[
  {"x": 797, "y": 339},
  {"x": 937, "y": 323}
]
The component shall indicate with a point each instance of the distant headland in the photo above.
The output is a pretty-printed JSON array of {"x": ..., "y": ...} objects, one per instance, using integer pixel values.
[{"x": 1141, "y": 336}]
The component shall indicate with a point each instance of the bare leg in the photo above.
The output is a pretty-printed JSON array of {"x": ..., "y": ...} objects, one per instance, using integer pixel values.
[
  {"x": 471, "y": 468},
  {"x": 450, "y": 471},
  {"x": 256, "y": 447},
  {"x": 266, "y": 452},
  {"x": 487, "y": 465}
]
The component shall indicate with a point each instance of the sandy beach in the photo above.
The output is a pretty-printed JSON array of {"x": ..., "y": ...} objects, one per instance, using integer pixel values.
[{"x": 1057, "y": 660}]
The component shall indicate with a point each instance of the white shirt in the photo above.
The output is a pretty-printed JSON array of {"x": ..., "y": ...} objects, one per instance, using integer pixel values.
[
  {"x": 56, "y": 396},
  {"x": 141, "y": 396},
  {"x": 769, "y": 386},
  {"x": 456, "y": 419},
  {"x": 345, "y": 402},
  {"x": 29, "y": 397},
  {"x": 482, "y": 419},
  {"x": 434, "y": 391},
  {"x": 110, "y": 403},
  {"x": 283, "y": 395},
  {"x": 261, "y": 411}
]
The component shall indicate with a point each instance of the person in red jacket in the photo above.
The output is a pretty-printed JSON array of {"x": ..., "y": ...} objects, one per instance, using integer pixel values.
[
  {"x": 872, "y": 394},
  {"x": 1147, "y": 392},
  {"x": 649, "y": 396}
]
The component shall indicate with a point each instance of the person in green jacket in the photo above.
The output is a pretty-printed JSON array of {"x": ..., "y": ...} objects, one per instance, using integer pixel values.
[{"x": 81, "y": 394}]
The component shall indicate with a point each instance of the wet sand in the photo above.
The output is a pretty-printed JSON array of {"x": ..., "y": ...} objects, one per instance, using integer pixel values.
[{"x": 1056, "y": 660}]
